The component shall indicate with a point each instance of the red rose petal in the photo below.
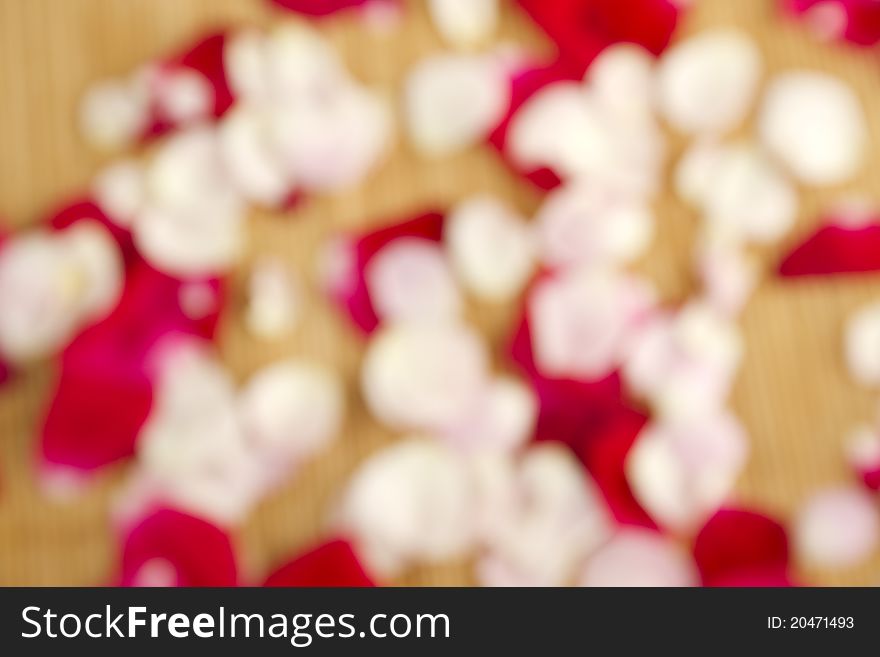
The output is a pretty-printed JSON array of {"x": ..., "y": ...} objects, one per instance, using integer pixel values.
[
  {"x": 524, "y": 85},
  {"x": 594, "y": 420},
  {"x": 859, "y": 20},
  {"x": 104, "y": 390},
  {"x": 582, "y": 28},
  {"x": 332, "y": 564},
  {"x": 206, "y": 58},
  {"x": 86, "y": 209},
  {"x": 317, "y": 7},
  {"x": 742, "y": 548},
  {"x": 835, "y": 249},
  {"x": 352, "y": 293},
  {"x": 199, "y": 553}
]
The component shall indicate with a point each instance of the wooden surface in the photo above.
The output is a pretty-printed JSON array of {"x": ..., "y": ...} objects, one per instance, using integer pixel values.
[{"x": 793, "y": 393}]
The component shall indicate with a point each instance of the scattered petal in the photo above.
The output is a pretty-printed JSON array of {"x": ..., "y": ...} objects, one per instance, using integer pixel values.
[
  {"x": 707, "y": 83},
  {"x": 490, "y": 247},
  {"x": 855, "y": 21},
  {"x": 592, "y": 225},
  {"x": 838, "y": 247},
  {"x": 331, "y": 564},
  {"x": 837, "y": 527},
  {"x": 582, "y": 28},
  {"x": 424, "y": 376},
  {"x": 410, "y": 502},
  {"x": 682, "y": 472},
  {"x": 452, "y": 102},
  {"x": 549, "y": 521},
  {"x": 742, "y": 548},
  {"x": 815, "y": 125},
  {"x": 344, "y": 263},
  {"x": 464, "y": 23},
  {"x": 639, "y": 557},
  {"x": 581, "y": 319},
  {"x": 189, "y": 550},
  {"x": 273, "y": 300},
  {"x": 861, "y": 347},
  {"x": 863, "y": 454},
  {"x": 411, "y": 280}
]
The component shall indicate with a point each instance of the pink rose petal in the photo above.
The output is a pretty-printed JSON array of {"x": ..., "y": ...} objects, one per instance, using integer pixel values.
[
  {"x": 172, "y": 548},
  {"x": 856, "y": 21},
  {"x": 104, "y": 392},
  {"x": 863, "y": 455},
  {"x": 86, "y": 209},
  {"x": 742, "y": 548},
  {"x": 332, "y": 564},
  {"x": 640, "y": 557},
  {"x": 347, "y": 284},
  {"x": 838, "y": 527}
]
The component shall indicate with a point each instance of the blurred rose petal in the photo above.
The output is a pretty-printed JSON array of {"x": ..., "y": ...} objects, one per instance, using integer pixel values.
[
  {"x": 838, "y": 247},
  {"x": 464, "y": 23},
  {"x": 332, "y": 564},
  {"x": 319, "y": 7},
  {"x": 104, "y": 391},
  {"x": 837, "y": 527},
  {"x": 582, "y": 28},
  {"x": 795, "y": 104},
  {"x": 742, "y": 548},
  {"x": 409, "y": 503},
  {"x": 863, "y": 454},
  {"x": 346, "y": 260},
  {"x": 639, "y": 557},
  {"x": 175, "y": 549},
  {"x": 706, "y": 84},
  {"x": 856, "y": 21}
]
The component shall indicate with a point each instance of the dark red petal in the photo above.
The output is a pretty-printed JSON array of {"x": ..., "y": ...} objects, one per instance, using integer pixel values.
[
  {"x": 581, "y": 29},
  {"x": 86, "y": 209},
  {"x": 742, "y": 548},
  {"x": 835, "y": 249},
  {"x": 332, "y": 564},
  {"x": 204, "y": 57},
  {"x": 524, "y": 84},
  {"x": 353, "y": 294},
  {"x": 200, "y": 553},
  {"x": 594, "y": 420},
  {"x": 862, "y": 17},
  {"x": 317, "y": 7},
  {"x": 104, "y": 392}
]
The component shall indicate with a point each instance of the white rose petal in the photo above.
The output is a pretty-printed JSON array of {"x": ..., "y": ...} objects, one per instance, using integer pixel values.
[
  {"x": 549, "y": 521},
  {"x": 464, "y": 23},
  {"x": 706, "y": 84},
  {"x": 490, "y": 247},
  {"x": 120, "y": 191},
  {"x": 581, "y": 320},
  {"x": 273, "y": 300},
  {"x": 410, "y": 280},
  {"x": 681, "y": 472},
  {"x": 423, "y": 375},
  {"x": 815, "y": 125},
  {"x": 862, "y": 345},
  {"x": 114, "y": 113},
  {"x": 837, "y": 527},
  {"x": 593, "y": 225},
  {"x": 452, "y": 102},
  {"x": 409, "y": 502},
  {"x": 291, "y": 410},
  {"x": 640, "y": 557},
  {"x": 248, "y": 156}
]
